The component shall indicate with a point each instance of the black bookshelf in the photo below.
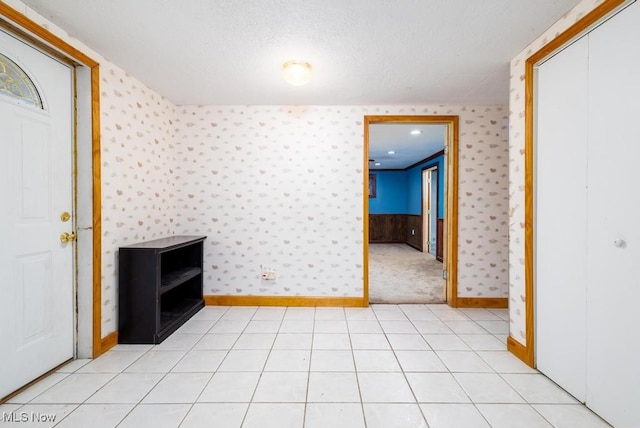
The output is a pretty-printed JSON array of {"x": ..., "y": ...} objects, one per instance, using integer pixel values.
[{"x": 160, "y": 287}]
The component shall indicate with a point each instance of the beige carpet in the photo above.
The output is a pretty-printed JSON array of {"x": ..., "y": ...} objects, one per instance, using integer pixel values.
[{"x": 399, "y": 273}]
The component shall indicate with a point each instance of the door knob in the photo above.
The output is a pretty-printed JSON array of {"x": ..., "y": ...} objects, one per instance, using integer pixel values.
[{"x": 65, "y": 238}]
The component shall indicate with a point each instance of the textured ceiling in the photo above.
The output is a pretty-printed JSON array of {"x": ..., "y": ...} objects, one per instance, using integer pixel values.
[
  {"x": 409, "y": 149},
  {"x": 363, "y": 52}
]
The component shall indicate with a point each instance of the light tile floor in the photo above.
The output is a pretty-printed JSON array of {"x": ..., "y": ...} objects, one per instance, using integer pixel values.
[{"x": 384, "y": 366}]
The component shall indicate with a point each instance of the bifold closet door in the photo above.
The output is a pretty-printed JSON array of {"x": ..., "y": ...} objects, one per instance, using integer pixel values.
[
  {"x": 613, "y": 293},
  {"x": 560, "y": 217}
]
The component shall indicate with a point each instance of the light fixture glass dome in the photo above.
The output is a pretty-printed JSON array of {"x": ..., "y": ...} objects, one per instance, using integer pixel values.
[{"x": 297, "y": 73}]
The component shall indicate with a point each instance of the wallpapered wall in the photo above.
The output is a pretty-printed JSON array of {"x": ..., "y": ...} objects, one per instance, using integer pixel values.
[
  {"x": 138, "y": 173},
  {"x": 137, "y": 127},
  {"x": 516, "y": 168},
  {"x": 282, "y": 186},
  {"x": 273, "y": 184}
]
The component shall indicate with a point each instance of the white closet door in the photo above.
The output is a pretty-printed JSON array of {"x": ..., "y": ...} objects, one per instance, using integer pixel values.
[
  {"x": 613, "y": 294},
  {"x": 561, "y": 222}
]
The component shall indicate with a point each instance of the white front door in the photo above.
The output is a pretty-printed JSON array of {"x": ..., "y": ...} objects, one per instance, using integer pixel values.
[{"x": 36, "y": 187}]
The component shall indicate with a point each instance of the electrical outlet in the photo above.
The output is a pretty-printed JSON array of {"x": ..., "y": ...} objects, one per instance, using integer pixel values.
[
  {"x": 268, "y": 273},
  {"x": 413, "y": 232}
]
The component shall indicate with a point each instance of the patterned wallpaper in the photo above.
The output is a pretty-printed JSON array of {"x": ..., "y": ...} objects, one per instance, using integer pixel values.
[
  {"x": 274, "y": 185},
  {"x": 516, "y": 168},
  {"x": 282, "y": 187},
  {"x": 138, "y": 173},
  {"x": 483, "y": 202}
]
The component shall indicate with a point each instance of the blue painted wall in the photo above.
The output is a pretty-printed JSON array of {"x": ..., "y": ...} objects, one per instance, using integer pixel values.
[
  {"x": 391, "y": 193},
  {"x": 400, "y": 192}
]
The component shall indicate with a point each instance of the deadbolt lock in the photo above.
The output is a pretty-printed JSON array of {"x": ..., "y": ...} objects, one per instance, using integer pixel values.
[
  {"x": 65, "y": 238},
  {"x": 65, "y": 216}
]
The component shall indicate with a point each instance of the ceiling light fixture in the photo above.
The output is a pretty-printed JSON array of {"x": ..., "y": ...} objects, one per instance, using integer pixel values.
[
  {"x": 297, "y": 73},
  {"x": 377, "y": 164},
  {"x": 416, "y": 132},
  {"x": 391, "y": 152}
]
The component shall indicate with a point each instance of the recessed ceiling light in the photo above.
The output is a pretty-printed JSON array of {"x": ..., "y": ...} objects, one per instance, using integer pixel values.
[
  {"x": 391, "y": 152},
  {"x": 297, "y": 73},
  {"x": 378, "y": 164},
  {"x": 416, "y": 132}
]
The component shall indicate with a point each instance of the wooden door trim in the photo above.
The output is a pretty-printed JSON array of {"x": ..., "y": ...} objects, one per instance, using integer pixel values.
[
  {"x": 451, "y": 193},
  {"x": 36, "y": 33},
  {"x": 522, "y": 351}
]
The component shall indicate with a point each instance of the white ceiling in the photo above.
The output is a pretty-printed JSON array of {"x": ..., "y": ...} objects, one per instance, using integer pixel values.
[
  {"x": 409, "y": 149},
  {"x": 363, "y": 52}
]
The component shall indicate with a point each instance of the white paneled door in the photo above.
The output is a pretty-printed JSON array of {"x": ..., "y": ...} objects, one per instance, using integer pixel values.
[
  {"x": 613, "y": 291},
  {"x": 36, "y": 268}
]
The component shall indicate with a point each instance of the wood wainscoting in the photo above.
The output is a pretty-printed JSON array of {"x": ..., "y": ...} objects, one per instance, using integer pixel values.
[
  {"x": 414, "y": 223},
  {"x": 387, "y": 228},
  {"x": 396, "y": 228}
]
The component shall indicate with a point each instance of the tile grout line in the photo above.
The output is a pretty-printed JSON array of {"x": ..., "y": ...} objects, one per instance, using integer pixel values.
[
  {"x": 246, "y": 412},
  {"x": 160, "y": 379},
  {"x": 212, "y": 374},
  {"x": 404, "y": 373},
  {"x": 355, "y": 369},
  {"x": 165, "y": 375},
  {"x": 306, "y": 395},
  {"x": 502, "y": 371}
]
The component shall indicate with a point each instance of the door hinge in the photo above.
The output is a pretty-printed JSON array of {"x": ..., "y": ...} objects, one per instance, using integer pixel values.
[{"x": 444, "y": 274}]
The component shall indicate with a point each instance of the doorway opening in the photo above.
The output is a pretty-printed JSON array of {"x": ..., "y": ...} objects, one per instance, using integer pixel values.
[
  {"x": 400, "y": 223},
  {"x": 432, "y": 240}
]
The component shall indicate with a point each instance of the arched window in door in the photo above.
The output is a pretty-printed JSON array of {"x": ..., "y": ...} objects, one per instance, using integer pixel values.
[{"x": 15, "y": 84}]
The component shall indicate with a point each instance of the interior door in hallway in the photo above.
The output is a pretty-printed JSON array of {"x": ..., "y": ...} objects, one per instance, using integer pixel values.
[
  {"x": 429, "y": 209},
  {"x": 36, "y": 187},
  {"x": 426, "y": 211}
]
